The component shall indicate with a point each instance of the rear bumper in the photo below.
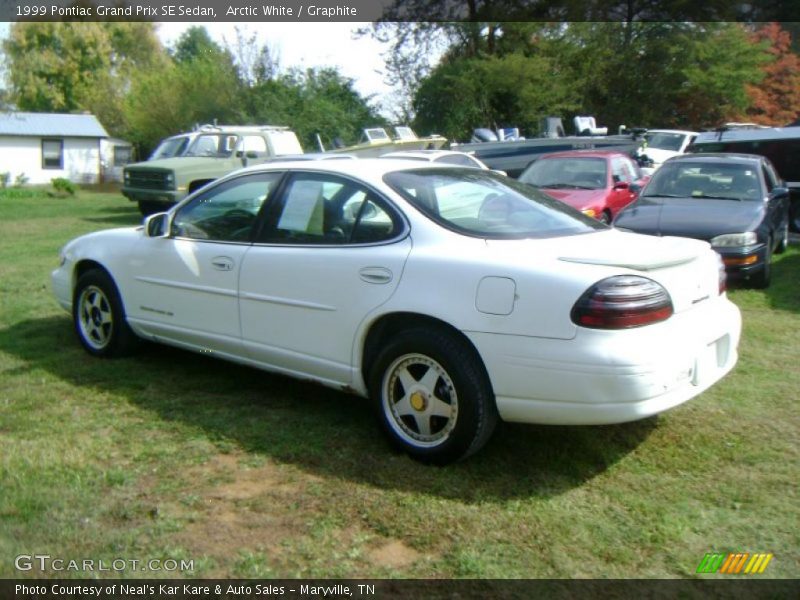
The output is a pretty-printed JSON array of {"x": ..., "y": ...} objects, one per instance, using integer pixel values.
[{"x": 603, "y": 377}]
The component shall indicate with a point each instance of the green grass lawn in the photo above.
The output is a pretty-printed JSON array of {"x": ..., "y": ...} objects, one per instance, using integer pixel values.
[{"x": 173, "y": 455}]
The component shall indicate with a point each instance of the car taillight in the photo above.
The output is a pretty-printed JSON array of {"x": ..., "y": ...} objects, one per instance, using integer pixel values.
[{"x": 621, "y": 302}]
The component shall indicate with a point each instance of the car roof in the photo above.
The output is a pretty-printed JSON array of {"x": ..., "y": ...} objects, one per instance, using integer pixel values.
[
  {"x": 586, "y": 154},
  {"x": 367, "y": 169},
  {"x": 313, "y": 156},
  {"x": 748, "y": 135},
  {"x": 680, "y": 131},
  {"x": 729, "y": 157},
  {"x": 423, "y": 154}
]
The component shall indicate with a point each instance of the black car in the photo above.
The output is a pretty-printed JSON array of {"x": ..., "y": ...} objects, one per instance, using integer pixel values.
[{"x": 736, "y": 202}]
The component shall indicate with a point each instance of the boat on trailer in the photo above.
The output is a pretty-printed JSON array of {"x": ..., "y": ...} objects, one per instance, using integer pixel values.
[
  {"x": 375, "y": 141},
  {"x": 511, "y": 153}
]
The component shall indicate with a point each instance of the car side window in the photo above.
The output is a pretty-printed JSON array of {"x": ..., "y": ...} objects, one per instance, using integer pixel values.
[
  {"x": 619, "y": 172},
  {"x": 769, "y": 178},
  {"x": 632, "y": 170},
  {"x": 324, "y": 209},
  {"x": 254, "y": 143},
  {"x": 227, "y": 212}
]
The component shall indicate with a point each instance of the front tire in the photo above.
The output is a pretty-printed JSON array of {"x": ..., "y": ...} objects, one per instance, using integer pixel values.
[
  {"x": 432, "y": 396},
  {"x": 99, "y": 318},
  {"x": 784, "y": 242},
  {"x": 764, "y": 277}
]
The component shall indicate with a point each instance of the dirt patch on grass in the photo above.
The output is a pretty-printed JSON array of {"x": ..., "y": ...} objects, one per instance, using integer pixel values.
[
  {"x": 269, "y": 509},
  {"x": 245, "y": 511},
  {"x": 393, "y": 554}
]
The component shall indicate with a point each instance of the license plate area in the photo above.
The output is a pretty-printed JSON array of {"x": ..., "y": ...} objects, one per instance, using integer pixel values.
[{"x": 710, "y": 359}]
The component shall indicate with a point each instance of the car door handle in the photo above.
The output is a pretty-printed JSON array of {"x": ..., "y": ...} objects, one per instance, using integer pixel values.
[
  {"x": 222, "y": 263},
  {"x": 375, "y": 274}
]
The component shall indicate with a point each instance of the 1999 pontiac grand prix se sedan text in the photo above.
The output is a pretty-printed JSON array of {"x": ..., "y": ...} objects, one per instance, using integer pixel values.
[{"x": 450, "y": 296}]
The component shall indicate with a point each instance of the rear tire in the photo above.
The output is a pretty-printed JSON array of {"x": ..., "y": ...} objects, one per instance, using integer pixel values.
[
  {"x": 432, "y": 396},
  {"x": 99, "y": 318}
]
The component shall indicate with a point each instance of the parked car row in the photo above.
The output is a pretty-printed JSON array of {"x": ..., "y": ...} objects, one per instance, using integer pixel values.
[
  {"x": 736, "y": 202},
  {"x": 450, "y": 295}
]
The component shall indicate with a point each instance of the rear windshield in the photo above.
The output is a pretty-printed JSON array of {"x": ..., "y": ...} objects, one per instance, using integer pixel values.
[{"x": 484, "y": 204}]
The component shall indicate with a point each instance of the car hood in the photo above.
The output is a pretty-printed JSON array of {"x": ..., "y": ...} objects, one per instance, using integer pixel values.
[
  {"x": 690, "y": 217},
  {"x": 579, "y": 199},
  {"x": 174, "y": 163}
]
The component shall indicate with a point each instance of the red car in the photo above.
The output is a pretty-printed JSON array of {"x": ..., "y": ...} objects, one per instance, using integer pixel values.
[{"x": 599, "y": 183}]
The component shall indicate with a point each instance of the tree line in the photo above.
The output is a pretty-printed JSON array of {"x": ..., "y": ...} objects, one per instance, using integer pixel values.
[
  {"x": 684, "y": 75},
  {"x": 691, "y": 75},
  {"x": 142, "y": 91}
]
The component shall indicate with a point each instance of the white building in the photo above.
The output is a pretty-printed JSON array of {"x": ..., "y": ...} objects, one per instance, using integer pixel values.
[{"x": 43, "y": 146}]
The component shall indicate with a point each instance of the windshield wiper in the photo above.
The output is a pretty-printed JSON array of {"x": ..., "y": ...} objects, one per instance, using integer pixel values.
[
  {"x": 566, "y": 186},
  {"x": 712, "y": 197}
]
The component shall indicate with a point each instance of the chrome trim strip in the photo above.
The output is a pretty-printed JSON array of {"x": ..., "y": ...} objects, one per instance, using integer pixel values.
[
  {"x": 286, "y": 301},
  {"x": 188, "y": 286}
]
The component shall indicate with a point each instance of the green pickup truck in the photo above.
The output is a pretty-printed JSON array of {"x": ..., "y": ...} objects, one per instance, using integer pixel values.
[{"x": 158, "y": 184}]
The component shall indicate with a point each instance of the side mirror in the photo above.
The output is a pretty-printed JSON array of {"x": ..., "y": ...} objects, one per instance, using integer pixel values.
[
  {"x": 621, "y": 185},
  {"x": 252, "y": 154},
  {"x": 779, "y": 193},
  {"x": 157, "y": 225}
]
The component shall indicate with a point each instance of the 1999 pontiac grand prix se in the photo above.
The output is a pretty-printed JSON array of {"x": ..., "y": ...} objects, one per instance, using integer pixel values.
[{"x": 450, "y": 296}]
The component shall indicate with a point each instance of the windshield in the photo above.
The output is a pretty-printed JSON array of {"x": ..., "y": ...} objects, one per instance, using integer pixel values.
[
  {"x": 170, "y": 147},
  {"x": 664, "y": 141},
  {"x": 213, "y": 144},
  {"x": 569, "y": 172},
  {"x": 484, "y": 204},
  {"x": 705, "y": 180}
]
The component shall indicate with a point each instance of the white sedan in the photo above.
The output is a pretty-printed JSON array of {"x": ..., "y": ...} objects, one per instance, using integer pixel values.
[{"x": 450, "y": 296}]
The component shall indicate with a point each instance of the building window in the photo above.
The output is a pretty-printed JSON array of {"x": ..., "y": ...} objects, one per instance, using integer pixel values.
[
  {"x": 122, "y": 155},
  {"x": 52, "y": 154}
]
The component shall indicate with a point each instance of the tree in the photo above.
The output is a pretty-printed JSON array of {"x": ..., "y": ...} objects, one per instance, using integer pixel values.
[
  {"x": 511, "y": 90},
  {"x": 195, "y": 44},
  {"x": 719, "y": 65},
  {"x": 176, "y": 97},
  {"x": 311, "y": 102},
  {"x": 776, "y": 100},
  {"x": 62, "y": 67},
  {"x": 637, "y": 74},
  {"x": 256, "y": 63}
]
